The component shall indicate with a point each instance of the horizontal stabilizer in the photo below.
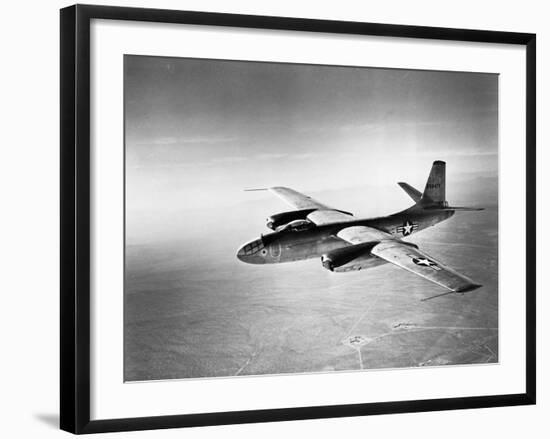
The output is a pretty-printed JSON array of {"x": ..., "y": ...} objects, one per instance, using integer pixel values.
[
  {"x": 415, "y": 194},
  {"x": 455, "y": 208},
  {"x": 467, "y": 209}
]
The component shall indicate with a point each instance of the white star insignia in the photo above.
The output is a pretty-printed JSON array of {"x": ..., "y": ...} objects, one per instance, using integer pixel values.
[
  {"x": 425, "y": 262},
  {"x": 407, "y": 228}
]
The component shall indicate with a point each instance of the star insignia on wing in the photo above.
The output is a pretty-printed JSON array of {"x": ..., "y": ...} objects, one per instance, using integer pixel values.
[{"x": 425, "y": 262}]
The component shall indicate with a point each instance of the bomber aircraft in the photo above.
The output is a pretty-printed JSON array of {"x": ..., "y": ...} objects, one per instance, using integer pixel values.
[{"x": 346, "y": 243}]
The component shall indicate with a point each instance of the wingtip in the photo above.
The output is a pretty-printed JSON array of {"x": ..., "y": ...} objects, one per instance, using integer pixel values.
[
  {"x": 466, "y": 289},
  {"x": 469, "y": 288}
]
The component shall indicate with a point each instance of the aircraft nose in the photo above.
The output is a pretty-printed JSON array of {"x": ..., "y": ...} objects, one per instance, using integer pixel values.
[
  {"x": 241, "y": 254},
  {"x": 251, "y": 253}
]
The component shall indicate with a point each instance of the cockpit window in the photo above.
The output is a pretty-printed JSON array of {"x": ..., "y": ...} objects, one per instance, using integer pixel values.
[{"x": 253, "y": 247}]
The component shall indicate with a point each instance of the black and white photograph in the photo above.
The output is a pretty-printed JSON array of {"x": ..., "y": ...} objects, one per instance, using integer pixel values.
[
  {"x": 292, "y": 218},
  {"x": 280, "y": 219}
]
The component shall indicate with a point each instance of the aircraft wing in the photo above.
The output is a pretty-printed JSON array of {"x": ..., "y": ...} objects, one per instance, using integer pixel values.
[
  {"x": 296, "y": 199},
  {"x": 321, "y": 215},
  {"x": 408, "y": 257},
  {"x": 416, "y": 261},
  {"x": 361, "y": 234}
]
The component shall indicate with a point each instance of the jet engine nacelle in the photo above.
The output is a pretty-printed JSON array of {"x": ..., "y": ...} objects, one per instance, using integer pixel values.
[
  {"x": 352, "y": 257},
  {"x": 280, "y": 219},
  {"x": 277, "y": 220}
]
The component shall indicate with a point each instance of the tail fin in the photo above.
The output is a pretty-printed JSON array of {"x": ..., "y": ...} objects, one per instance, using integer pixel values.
[{"x": 434, "y": 193}]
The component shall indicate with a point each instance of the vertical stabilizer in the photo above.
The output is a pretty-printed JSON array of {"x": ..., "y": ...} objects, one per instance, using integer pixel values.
[{"x": 434, "y": 193}]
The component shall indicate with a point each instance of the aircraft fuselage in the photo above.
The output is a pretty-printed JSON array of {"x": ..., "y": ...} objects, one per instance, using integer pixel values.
[{"x": 293, "y": 245}]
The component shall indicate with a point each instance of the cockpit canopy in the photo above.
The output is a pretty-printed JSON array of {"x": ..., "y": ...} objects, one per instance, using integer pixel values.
[
  {"x": 296, "y": 226},
  {"x": 278, "y": 220}
]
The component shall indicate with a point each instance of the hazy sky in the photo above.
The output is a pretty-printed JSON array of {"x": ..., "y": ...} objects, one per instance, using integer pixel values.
[{"x": 199, "y": 131}]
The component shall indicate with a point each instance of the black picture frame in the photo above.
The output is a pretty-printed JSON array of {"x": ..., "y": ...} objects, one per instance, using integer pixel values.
[{"x": 75, "y": 217}]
